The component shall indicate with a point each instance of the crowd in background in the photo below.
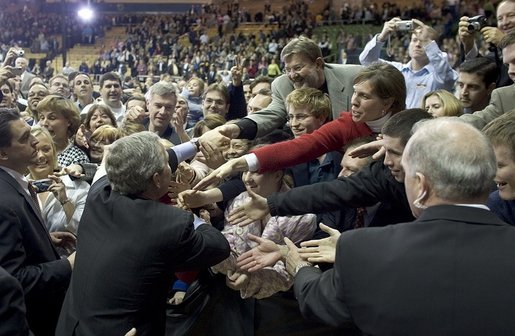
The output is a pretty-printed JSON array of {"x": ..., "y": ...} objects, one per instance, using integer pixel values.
[{"x": 298, "y": 107}]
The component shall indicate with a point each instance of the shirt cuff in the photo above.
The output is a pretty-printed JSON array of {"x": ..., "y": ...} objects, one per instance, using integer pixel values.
[
  {"x": 184, "y": 151},
  {"x": 197, "y": 221},
  {"x": 252, "y": 162}
]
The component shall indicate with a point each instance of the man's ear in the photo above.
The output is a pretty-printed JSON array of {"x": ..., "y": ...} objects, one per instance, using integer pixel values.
[
  {"x": 320, "y": 62},
  {"x": 156, "y": 178}
]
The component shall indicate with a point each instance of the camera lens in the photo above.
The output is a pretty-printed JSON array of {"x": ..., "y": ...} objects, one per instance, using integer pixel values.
[{"x": 474, "y": 26}]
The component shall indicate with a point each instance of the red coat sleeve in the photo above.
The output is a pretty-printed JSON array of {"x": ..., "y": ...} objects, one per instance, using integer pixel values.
[{"x": 330, "y": 137}]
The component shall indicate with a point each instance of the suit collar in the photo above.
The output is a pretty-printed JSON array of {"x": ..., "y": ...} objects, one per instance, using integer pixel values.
[
  {"x": 472, "y": 215},
  {"x": 4, "y": 175}
]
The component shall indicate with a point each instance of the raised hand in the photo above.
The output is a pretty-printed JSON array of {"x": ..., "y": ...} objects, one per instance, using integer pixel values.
[
  {"x": 266, "y": 253},
  {"x": 222, "y": 135},
  {"x": 253, "y": 209},
  {"x": 321, "y": 250},
  {"x": 211, "y": 156}
]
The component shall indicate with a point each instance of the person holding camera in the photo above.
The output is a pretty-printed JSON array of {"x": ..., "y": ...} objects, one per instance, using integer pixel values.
[
  {"x": 428, "y": 69},
  {"x": 468, "y": 27}
]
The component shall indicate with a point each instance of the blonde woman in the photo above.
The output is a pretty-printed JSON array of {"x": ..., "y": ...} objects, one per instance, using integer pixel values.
[
  {"x": 63, "y": 202},
  {"x": 442, "y": 103}
]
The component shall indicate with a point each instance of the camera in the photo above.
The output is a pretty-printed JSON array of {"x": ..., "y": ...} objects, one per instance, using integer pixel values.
[
  {"x": 476, "y": 23},
  {"x": 404, "y": 25},
  {"x": 42, "y": 185},
  {"x": 20, "y": 52}
]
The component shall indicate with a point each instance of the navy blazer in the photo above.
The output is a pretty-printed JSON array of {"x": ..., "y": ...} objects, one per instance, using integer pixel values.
[
  {"x": 128, "y": 249},
  {"x": 27, "y": 253}
]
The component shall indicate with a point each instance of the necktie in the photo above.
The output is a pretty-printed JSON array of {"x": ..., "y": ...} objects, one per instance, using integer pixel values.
[
  {"x": 360, "y": 218},
  {"x": 34, "y": 197}
]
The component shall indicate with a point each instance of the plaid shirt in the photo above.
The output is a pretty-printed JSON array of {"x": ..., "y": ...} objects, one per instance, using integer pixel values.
[{"x": 72, "y": 154}]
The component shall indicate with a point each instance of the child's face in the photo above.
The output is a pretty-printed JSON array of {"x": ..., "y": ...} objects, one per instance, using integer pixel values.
[
  {"x": 194, "y": 88},
  {"x": 505, "y": 176},
  {"x": 302, "y": 121}
]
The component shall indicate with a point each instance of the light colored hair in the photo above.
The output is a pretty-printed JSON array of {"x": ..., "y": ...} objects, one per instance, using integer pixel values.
[
  {"x": 456, "y": 158},
  {"x": 133, "y": 160},
  {"x": 501, "y": 132},
  {"x": 162, "y": 89},
  {"x": 452, "y": 107},
  {"x": 317, "y": 102},
  {"x": 37, "y": 131},
  {"x": 65, "y": 107}
]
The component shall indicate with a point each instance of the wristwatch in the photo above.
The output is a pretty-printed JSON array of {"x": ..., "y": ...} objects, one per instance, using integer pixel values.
[
  {"x": 196, "y": 142},
  {"x": 302, "y": 264}
]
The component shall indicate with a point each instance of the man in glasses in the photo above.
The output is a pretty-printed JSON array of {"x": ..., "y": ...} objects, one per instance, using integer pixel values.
[{"x": 304, "y": 66}]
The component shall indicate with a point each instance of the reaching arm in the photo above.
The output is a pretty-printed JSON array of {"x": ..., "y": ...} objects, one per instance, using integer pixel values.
[{"x": 330, "y": 137}]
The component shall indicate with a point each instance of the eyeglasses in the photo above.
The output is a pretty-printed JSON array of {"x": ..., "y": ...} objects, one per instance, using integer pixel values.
[{"x": 295, "y": 69}]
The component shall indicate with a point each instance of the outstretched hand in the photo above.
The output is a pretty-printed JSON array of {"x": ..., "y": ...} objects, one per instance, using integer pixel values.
[
  {"x": 374, "y": 149},
  {"x": 321, "y": 250},
  {"x": 222, "y": 172},
  {"x": 255, "y": 208},
  {"x": 266, "y": 253}
]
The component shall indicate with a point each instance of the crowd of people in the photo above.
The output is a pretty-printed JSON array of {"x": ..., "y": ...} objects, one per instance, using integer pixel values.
[{"x": 256, "y": 188}]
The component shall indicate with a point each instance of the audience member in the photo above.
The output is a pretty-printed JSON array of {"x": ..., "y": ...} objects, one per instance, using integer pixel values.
[
  {"x": 83, "y": 90},
  {"x": 442, "y": 103},
  {"x": 111, "y": 95},
  {"x": 62, "y": 119},
  {"x": 304, "y": 67},
  {"x": 491, "y": 35},
  {"x": 503, "y": 98},
  {"x": 476, "y": 81},
  {"x": 62, "y": 203},
  {"x": 428, "y": 68},
  {"x": 59, "y": 85},
  {"x": 501, "y": 133}
]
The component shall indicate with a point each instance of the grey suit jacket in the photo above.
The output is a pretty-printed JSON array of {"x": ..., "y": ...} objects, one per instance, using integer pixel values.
[
  {"x": 450, "y": 272},
  {"x": 502, "y": 101},
  {"x": 340, "y": 81},
  {"x": 25, "y": 83}
]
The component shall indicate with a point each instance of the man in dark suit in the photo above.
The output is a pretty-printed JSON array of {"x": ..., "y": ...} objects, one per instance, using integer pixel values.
[
  {"x": 12, "y": 306},
  {"x": 130, "y": 245},
  {"x": 26, "y": 248},
  {"x": 431, "y": 276}
]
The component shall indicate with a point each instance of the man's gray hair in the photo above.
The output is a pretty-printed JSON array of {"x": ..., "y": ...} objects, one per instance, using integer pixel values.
[
  {"x": 456, "y": 158},
  {"x": 162, "y": 89},
  {"x": 133, "y": 160}
]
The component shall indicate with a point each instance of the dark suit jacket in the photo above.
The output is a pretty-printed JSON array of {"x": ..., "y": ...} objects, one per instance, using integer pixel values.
[
  {"x": 12, "y": 306},
  {"x": 127, "y": 251},
  {"x": 27, "y": 253},
  {"x": 450, "y": 272},
  {"x": 372, "y": 184}
]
